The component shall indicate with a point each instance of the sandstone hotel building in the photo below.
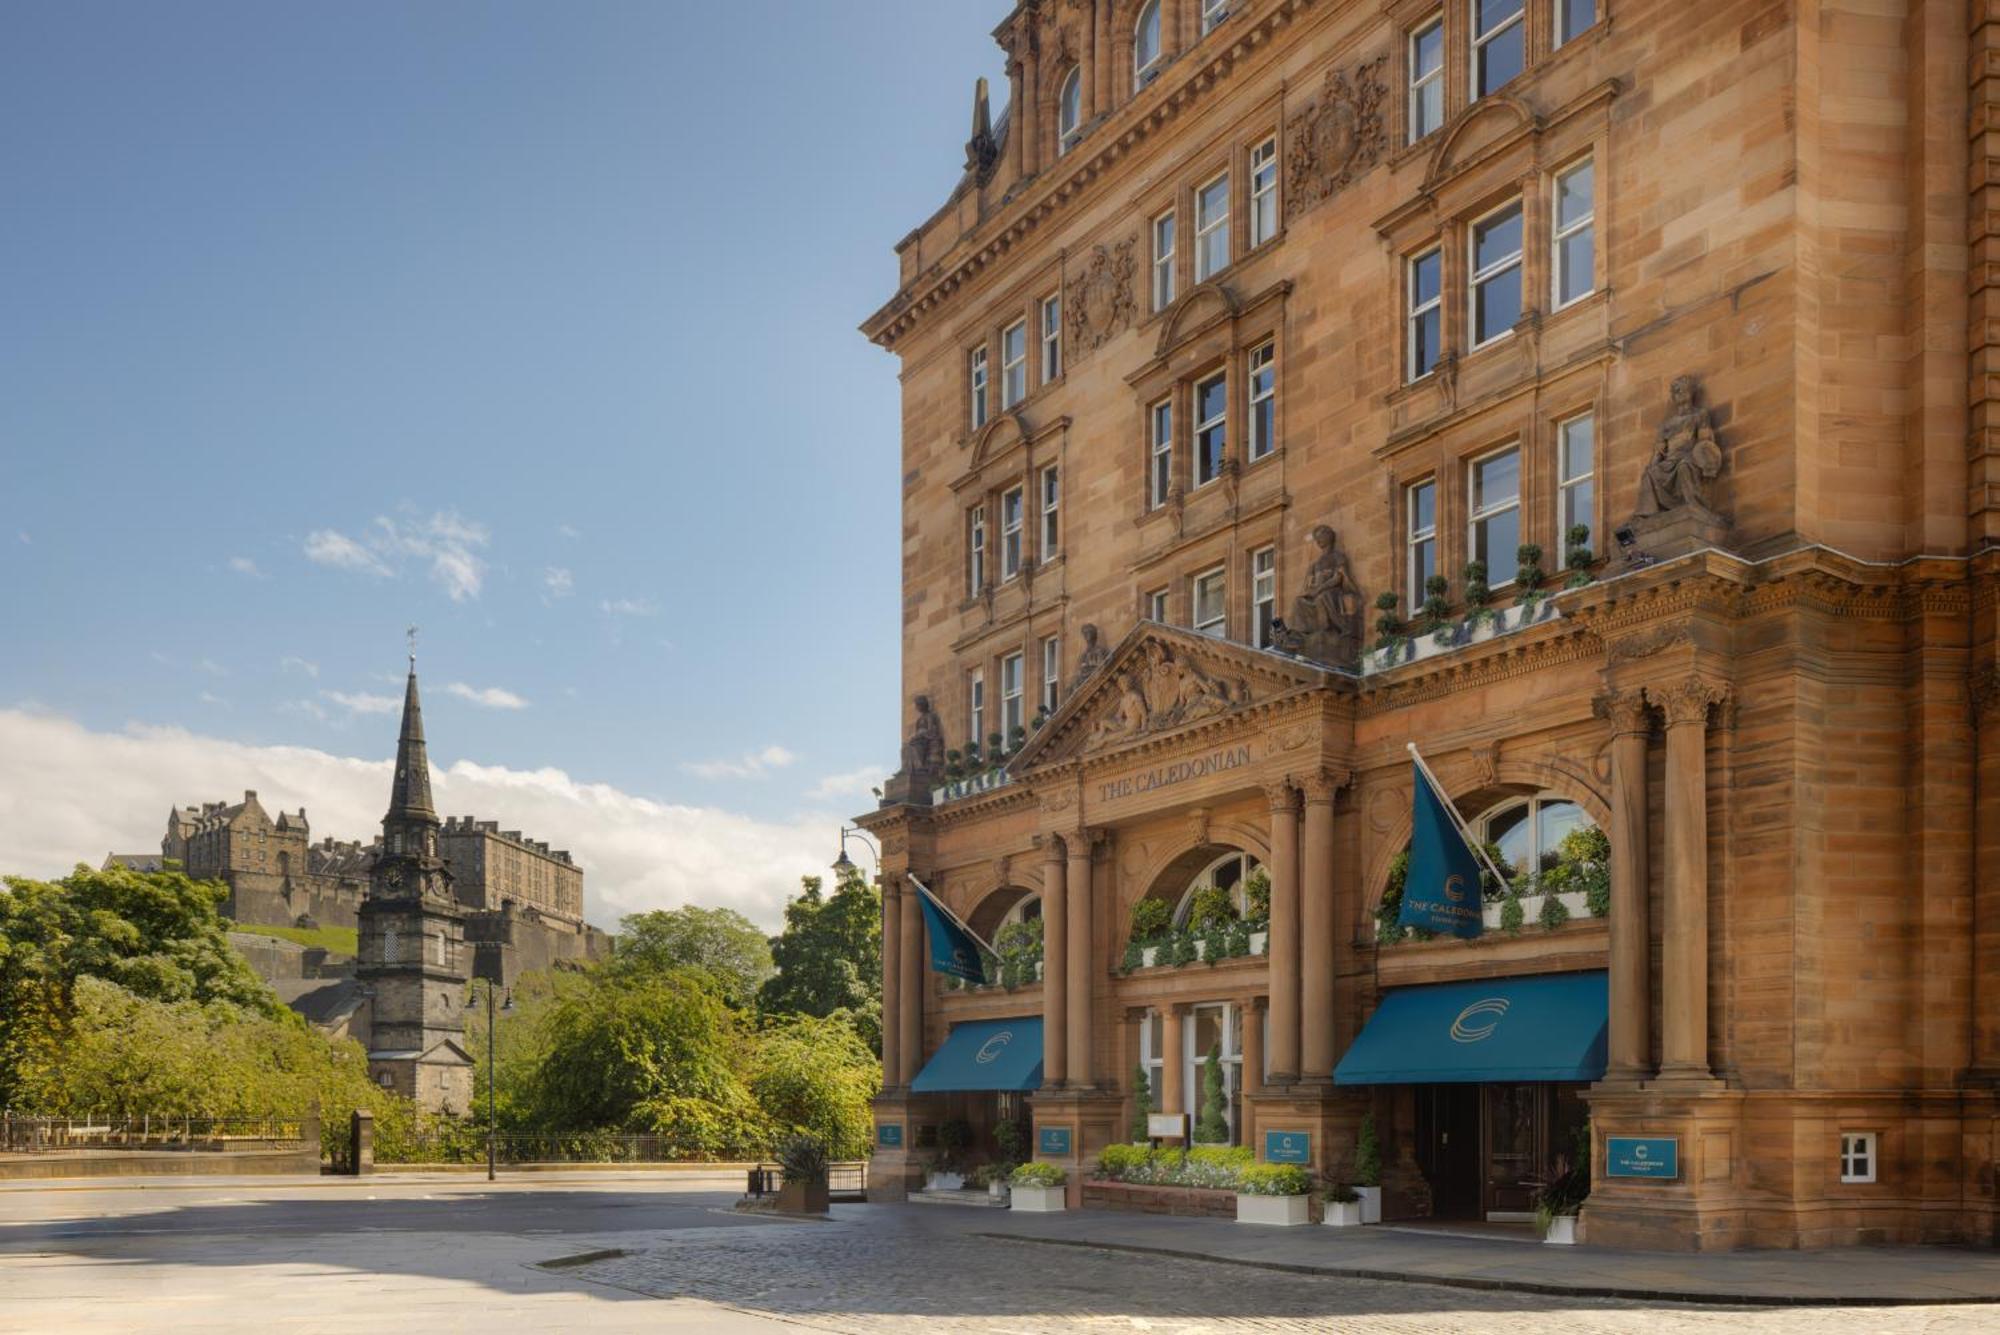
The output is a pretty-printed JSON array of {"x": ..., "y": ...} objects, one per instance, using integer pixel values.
[{"x": 1247, "y": 313}]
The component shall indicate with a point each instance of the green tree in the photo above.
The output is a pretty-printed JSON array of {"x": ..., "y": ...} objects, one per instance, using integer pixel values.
[
  {"x": 829, "y": 957},
  {"x": 721, "y": 941},
  {"x": 814, "y": 1076},
  {"x": 1212, "y": 1128},
  {"x": 1142, "y": 1104}
]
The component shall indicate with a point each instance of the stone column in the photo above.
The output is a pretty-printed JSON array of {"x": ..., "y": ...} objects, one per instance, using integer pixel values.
[
  {"x": 1171, "y": 1098},
  {"x": 910, "y": 994},
  {"x": 892, "y": 980},
  {"x": 1316, "y": 929},
  {"x": 1021, "y": 81},
  {"x": 1253, "y": 1044},
  {"x": 1284, "y": 943},
  {"x": 1080, "y": 972},
  {"x": 1684, "y": 956},
  {"x": 1055, "y": 965},
  {"x": 1631, "y": 1037}
]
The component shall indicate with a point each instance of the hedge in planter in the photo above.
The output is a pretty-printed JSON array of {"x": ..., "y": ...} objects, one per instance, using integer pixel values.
[
  {"x": 1274, "y": 1193},
  {"x": 1274, "y": 1179}
]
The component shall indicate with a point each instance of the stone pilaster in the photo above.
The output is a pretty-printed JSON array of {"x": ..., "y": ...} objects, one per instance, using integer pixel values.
[
  {"x": 1631, "y": 1027},
  {"x": 1055, "y": 965},
  {"x": 1684, "y": 953},
  {"x": 892, "y": 981},
  {"x": 1316, "y": 927},
  {"x": 1079, "y": 969},
  {"x": 910, "y": 992},
  {"x": 1284, "y": 941},
  {"x": 1172, "y": 1098}
]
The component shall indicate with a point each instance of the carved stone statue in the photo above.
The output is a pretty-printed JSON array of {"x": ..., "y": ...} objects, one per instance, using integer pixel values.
[
  {"x": 923, "y": 754},
  {"x": 1094, "y": 656},
  {"x": 1685, "y": 462},
  {"x": 1166, "y": 691},
  {"x": 1326, "y": 616}
]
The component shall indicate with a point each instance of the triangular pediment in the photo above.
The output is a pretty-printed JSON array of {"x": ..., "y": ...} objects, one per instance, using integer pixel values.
[
  {"x": 445, "y": 1052},
  {"x": 1161, "y": 680}
]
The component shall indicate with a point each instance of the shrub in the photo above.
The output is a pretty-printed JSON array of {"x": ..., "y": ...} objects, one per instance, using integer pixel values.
[
  {"x": 1274, "y": 1179},
  {"x": 1257, "y": 896},
  {"x": 1180, "y": 949},
  {"x": 1232, "y": 1157},
  {"x": 1368, "y": 1154},
  {"x": 1213, "y": 1124},
  {"x": 1142, "y": 1101},
  {"x": 1039, "y": 1175},
  {"x": 1215, "y": 942},
  {"x": 1388, "y": 930},
  {"x": 1554, "y": 914},
  {"x": 1388, "y": 626},
  {"x": 1009, "y": 1139},
  {"x": 1151, "y": 919},
  {"x": 1340, "y": 1194},
  {"x": 1211, "y": 907},
  {"x": 802, "y": 1159},
  {"x": 1512, "y": 915},
  {"x": 1120, "y": 1162},
  {"x": 1134, "y": 957}
]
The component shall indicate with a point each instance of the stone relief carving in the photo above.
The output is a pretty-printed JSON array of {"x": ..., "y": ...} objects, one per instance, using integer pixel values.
[
  {"x": 1687, "y": 701},
  {"x": 1686, "y": 460},
  {"x": 1647, "y": 643},
  {"x": 1166, "y": 691},
  {"x": 1293, "y": 736},
  {"x": 1059, "y": 799},
  {"x": 1338, "y": 138},
  {"x": 1326, "y": 616},
  {"x": 1100, "y": 298},
  {"x": 1627, "y": 711},
  {"x": 1094, "y": 656}
]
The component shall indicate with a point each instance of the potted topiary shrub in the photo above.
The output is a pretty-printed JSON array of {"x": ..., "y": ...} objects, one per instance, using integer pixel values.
[
  {"x": 1274, "y": 1193},
  {"x": 948, "y": 1169},
  {"x": 1343, "y": 1206},
  {"x": 1212, "y": 1127},
  {"x": 1368, "y": 1171},
  {"x": 802, "y": 1166},
  {"x": 1560, "y": 1199},
  {"x": 1389, "y": 636},
  {"x": 1152, "y": 919},
  {"x": 1038, "y": 1188},
  {"x": 1142, "y": 1104}
]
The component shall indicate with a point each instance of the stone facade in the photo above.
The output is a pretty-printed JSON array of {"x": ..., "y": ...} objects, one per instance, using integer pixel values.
[
  {"x": 275, "y": 873},
  {"x": 1734, "y": 348}
]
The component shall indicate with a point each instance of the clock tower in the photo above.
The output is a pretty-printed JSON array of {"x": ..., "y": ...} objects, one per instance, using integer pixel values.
[{"x": 412, "y": 950}]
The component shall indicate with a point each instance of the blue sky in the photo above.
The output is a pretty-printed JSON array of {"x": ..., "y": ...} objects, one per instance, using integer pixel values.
[{"x": 532, "y": 324}]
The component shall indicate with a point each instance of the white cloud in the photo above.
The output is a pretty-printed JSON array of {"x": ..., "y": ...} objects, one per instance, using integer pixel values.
[
  {"x": 854, "y": 783},
  {"x": 212, "y": 668},
  {"x": 557, "y": 583},
  {"x": 629, "y": 607},
  {"x": 362, "y": 703},
  {"x": 448, "y": 541},
  {"x": 77, "y": 794},
  {"x": 243, "y": 565},
  {"x": 340, "y": 552},
  {"x": 486, "y": 697},
  {"x": 210, "y": 698},
  {"x": 753, "y": 765},
  {"x": 293, "y": 663}
]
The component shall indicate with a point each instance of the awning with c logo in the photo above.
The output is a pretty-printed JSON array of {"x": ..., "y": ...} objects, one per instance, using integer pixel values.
[
  {"x": 985, "y": 1055},
  {"x": 1549, "y": 1027}
]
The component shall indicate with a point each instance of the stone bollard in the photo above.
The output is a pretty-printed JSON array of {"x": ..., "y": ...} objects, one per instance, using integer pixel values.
[{"x": 361, "y": 1142}]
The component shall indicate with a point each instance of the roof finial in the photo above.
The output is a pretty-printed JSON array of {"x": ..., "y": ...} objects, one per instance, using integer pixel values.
[
  {"x": 982, "y": 151},
  {"x": 412, "y": 633}
]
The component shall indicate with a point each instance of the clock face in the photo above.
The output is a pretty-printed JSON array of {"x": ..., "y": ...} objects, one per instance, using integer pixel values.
[{"x": 396, "y": 877}]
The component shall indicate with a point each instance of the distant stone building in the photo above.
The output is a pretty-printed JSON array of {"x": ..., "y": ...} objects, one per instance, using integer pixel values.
[{"x": 275, "y": 873}]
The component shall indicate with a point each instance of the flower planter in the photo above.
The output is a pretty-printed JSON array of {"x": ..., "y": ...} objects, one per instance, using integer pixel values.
[
  {"x": 997, "y": 1191},
  {"x": 1576, "y": 901},
  {"x": 1424, "y": 644},
  {"x": 1260, "y": 943},
  {"x": 1562, "y": 1231},
  {"x": 945, "y": 1182},
  {"x": 1039, "y": 1200},
  {"x": 1276, "y": 1211},
  {"x": 802, "y": 1198},
  {"x": 1343, "y": 1214},
  {"x": 1371, "y": 1204}
]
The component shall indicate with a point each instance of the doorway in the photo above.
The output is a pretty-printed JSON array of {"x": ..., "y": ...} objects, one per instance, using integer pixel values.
[{"x": 1485, "y": 1149}]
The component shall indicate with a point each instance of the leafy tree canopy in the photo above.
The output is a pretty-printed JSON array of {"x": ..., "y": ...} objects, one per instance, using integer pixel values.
[
  {"x": 815, "y": 1076},
  {"x": 722, "y": 942},
  {"x": 829, "y": 956}
]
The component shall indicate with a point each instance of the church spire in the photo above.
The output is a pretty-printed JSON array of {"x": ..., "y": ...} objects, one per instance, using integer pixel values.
[{"x": 410, "y": 797}]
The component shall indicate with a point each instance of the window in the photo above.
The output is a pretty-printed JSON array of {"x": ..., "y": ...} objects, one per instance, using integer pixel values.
[
  {"x": 1263, "y": 192},
  {"x": 1499, "y": 43},
  {"x": 1426, "y": 313},
  {"x": 1496, "y": 514},
  {"x": 1156, "y": 606},
  {"x": 1069, "y": 112},
  {"x": 1496, "y": 274},
  {"x": 1051, "y": 674},
  {"x": 1052, "y": 339},
  {"x": 1211, "y": 428},
  {"x": 1212, "y": 13},
  {"x": 1214, "y": 1028},
  {"x": 1211, "y": 603},
  {"x": 1263, "y": 595},
  {"x": 1051, "y": 513},
  {"x": 1575, "y": 474},
  {"x": 1146, "y": 46},
  {"x": 1263, "y": 401},
  {"x": 1152, "y": 1037},
  {"x": 1012, "y": 722},
  {"x": 1160, "y": 477},
  {"x": 975, "y": 548},
  {"x": 1011, "y": 515},
  {"x": 1574, "y": 242},
  {"x": 1423, "y": 539},
  {"x": 976, "y": 713},
  {"x": 1857, "y": 1156},
  {"x": 1014, "y": 364},
  {"x": 1211, "y": 228},
  {"x": 1232, "y": 874},
  {"x": 1163, "y": 261},
  {"x": 1426, "y": 79},
  {"x": 978, "y": 388},
  {"x": 1574, "y": 18}
]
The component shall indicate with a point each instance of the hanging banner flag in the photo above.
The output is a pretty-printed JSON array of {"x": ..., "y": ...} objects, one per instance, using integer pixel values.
[
  {"x": 954, "y": 949},
  {"x": 1441, "y": 891}
]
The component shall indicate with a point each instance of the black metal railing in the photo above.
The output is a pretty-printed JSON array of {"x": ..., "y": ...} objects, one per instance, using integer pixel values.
[
  {"x": 67, "y": 1135},
  {"x": 844, "y": 1181}
]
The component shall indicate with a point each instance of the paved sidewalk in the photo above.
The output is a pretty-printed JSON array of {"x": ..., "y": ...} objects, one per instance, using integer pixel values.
[{"x": 1846, "y": 1277}]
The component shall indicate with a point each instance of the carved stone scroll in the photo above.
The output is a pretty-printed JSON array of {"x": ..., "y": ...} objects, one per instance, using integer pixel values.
[{"x": 1339, "y": 137}]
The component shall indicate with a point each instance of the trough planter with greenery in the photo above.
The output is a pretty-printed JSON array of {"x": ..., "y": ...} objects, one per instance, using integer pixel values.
[
  {"x": 1276, "y": 1194},
  {"x": 1039, "y": 1188}
]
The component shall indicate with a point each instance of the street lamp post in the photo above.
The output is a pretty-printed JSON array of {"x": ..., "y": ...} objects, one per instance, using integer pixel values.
[
  {"x": 843, "y": 863},
  {"x": 492, "y": 1122}
]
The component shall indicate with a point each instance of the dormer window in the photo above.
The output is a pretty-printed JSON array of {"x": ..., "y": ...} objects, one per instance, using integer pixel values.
[
  {"x": 1212, "y": 13},
  {"x": 1146, "y": 46},
  {"x": 1069, "y": 110}
]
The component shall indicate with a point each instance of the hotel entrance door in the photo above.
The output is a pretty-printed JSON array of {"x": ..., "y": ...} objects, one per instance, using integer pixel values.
[{"x": 1484, "y": 1148}]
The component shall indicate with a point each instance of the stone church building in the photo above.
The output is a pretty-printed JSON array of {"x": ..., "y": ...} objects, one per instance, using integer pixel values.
[{"x": 1580, "y": 391}]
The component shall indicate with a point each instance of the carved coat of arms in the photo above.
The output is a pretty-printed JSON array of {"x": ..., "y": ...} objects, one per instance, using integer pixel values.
[
  {"x": 1338, "y": 138},
  {"x": 1100, "y": 298}
]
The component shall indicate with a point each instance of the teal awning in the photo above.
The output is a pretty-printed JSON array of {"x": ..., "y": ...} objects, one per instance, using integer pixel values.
[
  {"x": 1549, "y": 1027},
  {"x": 985, "y": 1055}
]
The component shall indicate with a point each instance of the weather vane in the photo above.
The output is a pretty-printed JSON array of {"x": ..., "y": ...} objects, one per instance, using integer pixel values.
[{"x": 413, "y": 647}]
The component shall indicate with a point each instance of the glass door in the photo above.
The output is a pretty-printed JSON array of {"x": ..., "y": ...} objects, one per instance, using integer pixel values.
[
  {"x": 1514, "y": 1152},
  {"x": 1213, "y": 1027}
]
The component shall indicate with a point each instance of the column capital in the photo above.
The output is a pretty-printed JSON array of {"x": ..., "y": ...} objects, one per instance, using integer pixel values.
[
  {"x": 1281, "y": 796},
  {"x": 1051, "y": 846},
  {"x": 1321, "y": 785},
  {"x": 1689, "y": 700},
  {"x": 1627, "y": 711}
]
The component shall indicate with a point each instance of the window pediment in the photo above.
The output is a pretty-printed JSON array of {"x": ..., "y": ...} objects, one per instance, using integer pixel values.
[{"x": 1487, "y": 126}]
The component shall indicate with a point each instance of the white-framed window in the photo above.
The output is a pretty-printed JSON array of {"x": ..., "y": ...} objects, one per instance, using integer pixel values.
[
  {"x": 1857, "y": 1156},
  {"x": 1163, "y": 261},
  {"x": 1211, "y": 602},
  {"x": 1051, "y": 512},
  {"x": 1156, "y": 606},
  {"x": 1012, "y": 521},
  {"x": 1576, "y": 473},
  {"x": 1212, "y": 13},
  {"x": 975, "y": 714},
  {"x": 1494, "y": 517},
  {"x": 1420, "y": 504},
  {"x": 1052, "y": 361},
  {"x": 1229, "y": 873},
  {"x": 1263, "y": 374},
  {"x": 1263, "y": 595},
  {"x": 1152, "y": 1038},
  {"x": 1264, "y": 192},
  {"x": 1529, "y": 831},
  {"x": 1146, "y": 47},
  {"x": 1013, "y": 363},
  {"x": 1574, "y": 18},
  {"x": 1426, "y": 79},
  {"x": 975, "y": 550},
  {"x": 1499, "y": 43},
  {"x": 1216, "y": 1027},
  {"x": 1211, "y": 428},
  {"x": 1013, "y": 686},
  {"x": 1051, "y": 674},
  {"x": 1160, "y": 473},
  {"x": 1211, "y": 228},
  {"x": 1069, "y": 110},
  {"x": 1426, "y": 339},
  {"x": 977, "y": 365},
  {"x": 1574, "y": 264},
  {"x": 1495, "y": 242}
]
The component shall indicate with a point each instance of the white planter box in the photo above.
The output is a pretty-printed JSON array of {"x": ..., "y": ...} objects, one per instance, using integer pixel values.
[
  {"x": 1575, "y": 901},
  {"x": 945, "y": 1182},
  {"x": 997, "y": 1190},
  {"x": 1343, "y": 1214},
  {"x": 1260, "y": 943},
  {"x": 1039, "y": 1200},
  {"x": 1562, "y": 1231},
  {"x": 1148, "y": 956},
  {"x": 1423, "y": 644},
  {"x": 1278, "y": 1211},
  {"x": 1371, "y": 1204}
]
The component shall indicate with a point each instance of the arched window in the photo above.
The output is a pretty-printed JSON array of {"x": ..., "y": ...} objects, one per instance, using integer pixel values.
[
  {"x": 1529, "y": 831},
  {"x": 1069, "y": 112},
  {"x": 1231, "y": 873},
  {"x": 1146, "y": 45},
  {"x": 1027, "y": 909}
]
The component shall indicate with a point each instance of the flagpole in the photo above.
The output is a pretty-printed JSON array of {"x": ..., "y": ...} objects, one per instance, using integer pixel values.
[
  {"x": 944, "y": 909},
  {"x": 1464, "y": 831}
]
